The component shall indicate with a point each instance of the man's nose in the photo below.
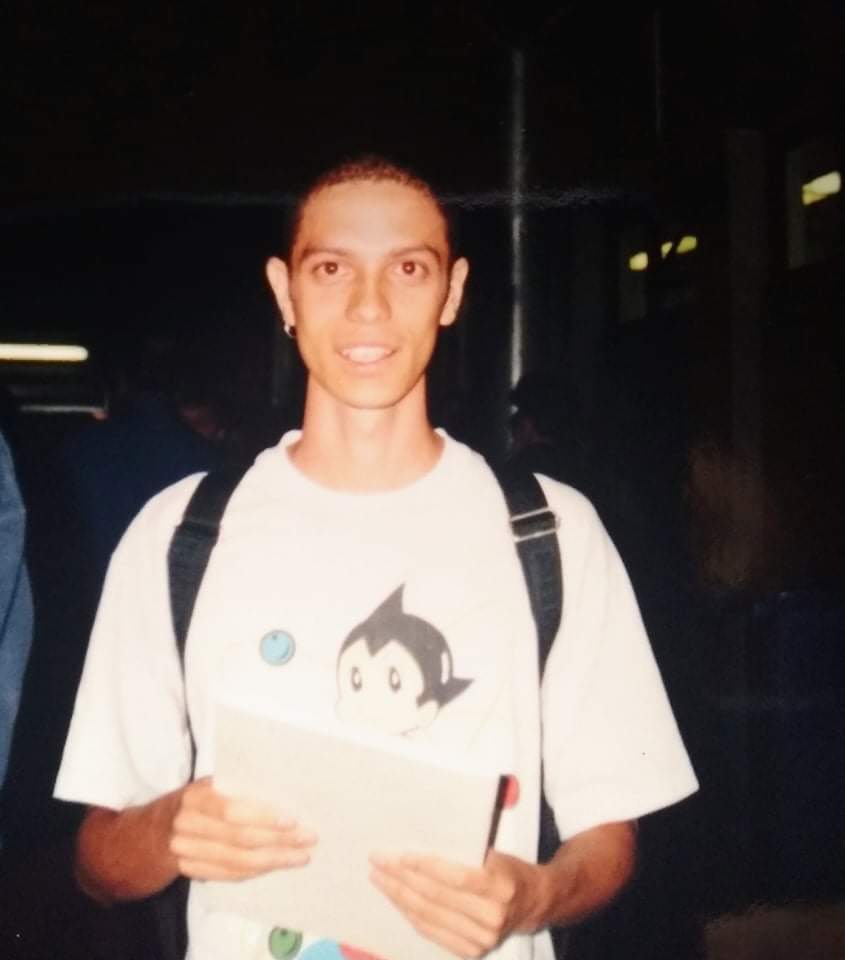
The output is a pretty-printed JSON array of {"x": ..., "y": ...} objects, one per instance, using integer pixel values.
[{"x": 369, "y": 303}]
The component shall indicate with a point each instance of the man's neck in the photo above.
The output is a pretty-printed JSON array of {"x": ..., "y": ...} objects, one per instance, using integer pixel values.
[{"x": 366, "y": 450}]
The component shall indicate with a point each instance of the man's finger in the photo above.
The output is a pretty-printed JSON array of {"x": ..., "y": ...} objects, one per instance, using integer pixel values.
[
  {"x": 201, "y": 795},
  {"x": 488, "y": 882},
  {"x": 427, "y": 904},
  {"x": 241, "y": 810},
  {"x": 189, "y": 828},
  {"x": 215, "y": 869},
  {"x": 206, "y": 814},
  {"x": 238, "y": 860},
  {"x": 453, "y": 942},
  {"x": 428, "y": 886}
]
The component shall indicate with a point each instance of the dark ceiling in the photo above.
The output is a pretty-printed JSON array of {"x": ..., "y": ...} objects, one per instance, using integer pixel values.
[{"x": 217, "y": 98}]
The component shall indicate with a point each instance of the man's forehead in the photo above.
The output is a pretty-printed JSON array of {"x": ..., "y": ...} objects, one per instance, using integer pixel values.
[{"x": 371, "y": 213}]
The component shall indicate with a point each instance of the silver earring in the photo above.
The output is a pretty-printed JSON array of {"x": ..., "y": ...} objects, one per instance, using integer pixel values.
[{"x": 289, "y": 331}]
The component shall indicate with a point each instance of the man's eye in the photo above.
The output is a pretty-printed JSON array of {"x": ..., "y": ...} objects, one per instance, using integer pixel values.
[
  {"x": 329, "y": 268},
  {"x": 355, "y": 679},
  {"x": 412, "y": 269},
  {"x": 394, "y": 679}
]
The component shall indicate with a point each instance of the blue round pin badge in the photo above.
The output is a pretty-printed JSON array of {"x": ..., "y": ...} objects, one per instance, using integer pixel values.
[{"x": 277, "y": 647}]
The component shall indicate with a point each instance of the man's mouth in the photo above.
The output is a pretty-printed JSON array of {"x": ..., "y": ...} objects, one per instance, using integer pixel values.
[{"x": 366, "y": 353}]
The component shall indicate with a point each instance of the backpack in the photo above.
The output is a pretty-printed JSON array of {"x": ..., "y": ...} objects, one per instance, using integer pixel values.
[{"x": 533, "y": 526}]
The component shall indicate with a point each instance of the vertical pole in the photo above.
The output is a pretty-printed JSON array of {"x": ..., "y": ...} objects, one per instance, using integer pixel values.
[{"x": 517, "y": 185}]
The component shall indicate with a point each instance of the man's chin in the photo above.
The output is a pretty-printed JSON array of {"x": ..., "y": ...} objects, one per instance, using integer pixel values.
[
  {"x": 365, "y": 395},
  {"x": 374, "y": 398}
]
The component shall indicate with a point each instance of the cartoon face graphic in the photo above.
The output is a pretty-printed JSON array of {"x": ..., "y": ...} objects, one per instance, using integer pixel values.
[{"x": 394, "y": 671}]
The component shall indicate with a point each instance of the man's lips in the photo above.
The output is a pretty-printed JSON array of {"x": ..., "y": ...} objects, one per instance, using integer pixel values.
[{"x": 366, "y": 353}]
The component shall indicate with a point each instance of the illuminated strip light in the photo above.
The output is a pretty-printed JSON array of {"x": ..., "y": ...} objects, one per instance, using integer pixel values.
[
  {"x": 821, "y": 188},
  {"x": 97, "y": 411},
  {"x": 639, "y": 261},
  {"x": 43, "y": 353},
  {"x": 666, "y": 248},
  {"x": 687, "y": 244}
]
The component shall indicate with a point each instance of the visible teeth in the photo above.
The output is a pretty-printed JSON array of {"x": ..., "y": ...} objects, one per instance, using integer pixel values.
[{"x": 365, "y": 354}]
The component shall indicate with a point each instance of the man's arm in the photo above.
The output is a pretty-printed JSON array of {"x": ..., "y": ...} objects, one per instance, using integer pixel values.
[
  {"x": 194, "y": 831},
  {"x": 470, "y": 911}
]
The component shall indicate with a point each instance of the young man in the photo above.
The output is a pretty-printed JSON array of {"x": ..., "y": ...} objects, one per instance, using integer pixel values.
[{"x": 365, "y": 524}]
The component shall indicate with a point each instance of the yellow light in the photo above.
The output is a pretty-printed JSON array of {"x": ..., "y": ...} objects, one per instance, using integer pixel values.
[
  {"x": 821, "y": 188},
  {"x": 43, "y": 353},
  {"x": 639, "y": 261},
  {"x": 687, "y": 244},
  {"x": 665, "y": 248}
]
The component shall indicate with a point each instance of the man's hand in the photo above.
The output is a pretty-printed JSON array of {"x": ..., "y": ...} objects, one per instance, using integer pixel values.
[
  {"x": 224, "y": 838},
  {"x": 467, "y": 911},
  {"x": 471, "y": 911},
  {"x": 132, "y": 853}
]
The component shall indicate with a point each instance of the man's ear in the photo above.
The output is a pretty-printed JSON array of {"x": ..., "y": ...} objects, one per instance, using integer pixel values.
[
  {"x": 279, "y": 280},
  {"x": 457, "y": 278}
]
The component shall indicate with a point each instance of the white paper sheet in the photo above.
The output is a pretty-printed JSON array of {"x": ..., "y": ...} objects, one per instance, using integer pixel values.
[{"x": 360, "y": 796}]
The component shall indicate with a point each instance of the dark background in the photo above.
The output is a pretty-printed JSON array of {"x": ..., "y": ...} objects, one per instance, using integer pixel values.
[{"x": 149, "y": 157}]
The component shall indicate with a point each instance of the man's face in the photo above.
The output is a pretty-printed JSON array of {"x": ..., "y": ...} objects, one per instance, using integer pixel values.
[{"x": 368, "y": 285}]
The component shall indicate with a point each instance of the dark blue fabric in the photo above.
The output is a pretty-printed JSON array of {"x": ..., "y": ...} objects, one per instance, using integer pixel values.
[
  {"x": 113, "y": 468},
  {"x": 15, "y": 602}
]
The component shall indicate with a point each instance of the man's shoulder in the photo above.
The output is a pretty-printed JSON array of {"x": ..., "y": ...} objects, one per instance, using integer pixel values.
[
  {"x": 567, "y": 498},
  {"x": 163, "y": 512},
  {"x": 580, "y": 528},
  {"x": 170, "y": 502},
  {"x": 567, "y": 501},
  {"x": 155, "y": 522}
]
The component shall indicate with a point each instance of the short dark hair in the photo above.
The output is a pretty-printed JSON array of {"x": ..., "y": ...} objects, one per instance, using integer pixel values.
[{"x": 368, "y": 168}]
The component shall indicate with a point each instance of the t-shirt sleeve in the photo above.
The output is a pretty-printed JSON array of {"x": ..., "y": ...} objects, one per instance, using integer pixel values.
[
  {"x": 128, "y": 741},
  {"x": 611, "y": 746}
]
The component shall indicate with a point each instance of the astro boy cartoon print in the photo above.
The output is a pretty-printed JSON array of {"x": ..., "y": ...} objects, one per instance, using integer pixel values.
[{"x": 395, "y": 671}]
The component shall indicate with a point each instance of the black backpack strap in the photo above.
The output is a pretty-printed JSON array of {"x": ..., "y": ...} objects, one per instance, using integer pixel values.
[
  {"x": 534, "y": 527},
  {"x": 191, "y": 546},
  {"x": 187, "y": 558}
]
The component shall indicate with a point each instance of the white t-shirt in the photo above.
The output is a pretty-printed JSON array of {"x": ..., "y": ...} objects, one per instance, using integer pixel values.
[{"x": 428, "y": 575}]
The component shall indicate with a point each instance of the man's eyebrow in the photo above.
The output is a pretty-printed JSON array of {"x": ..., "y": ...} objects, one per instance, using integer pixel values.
[
  {"x": 419, "y": 248},
  {"x": 313, "y": 251}
]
